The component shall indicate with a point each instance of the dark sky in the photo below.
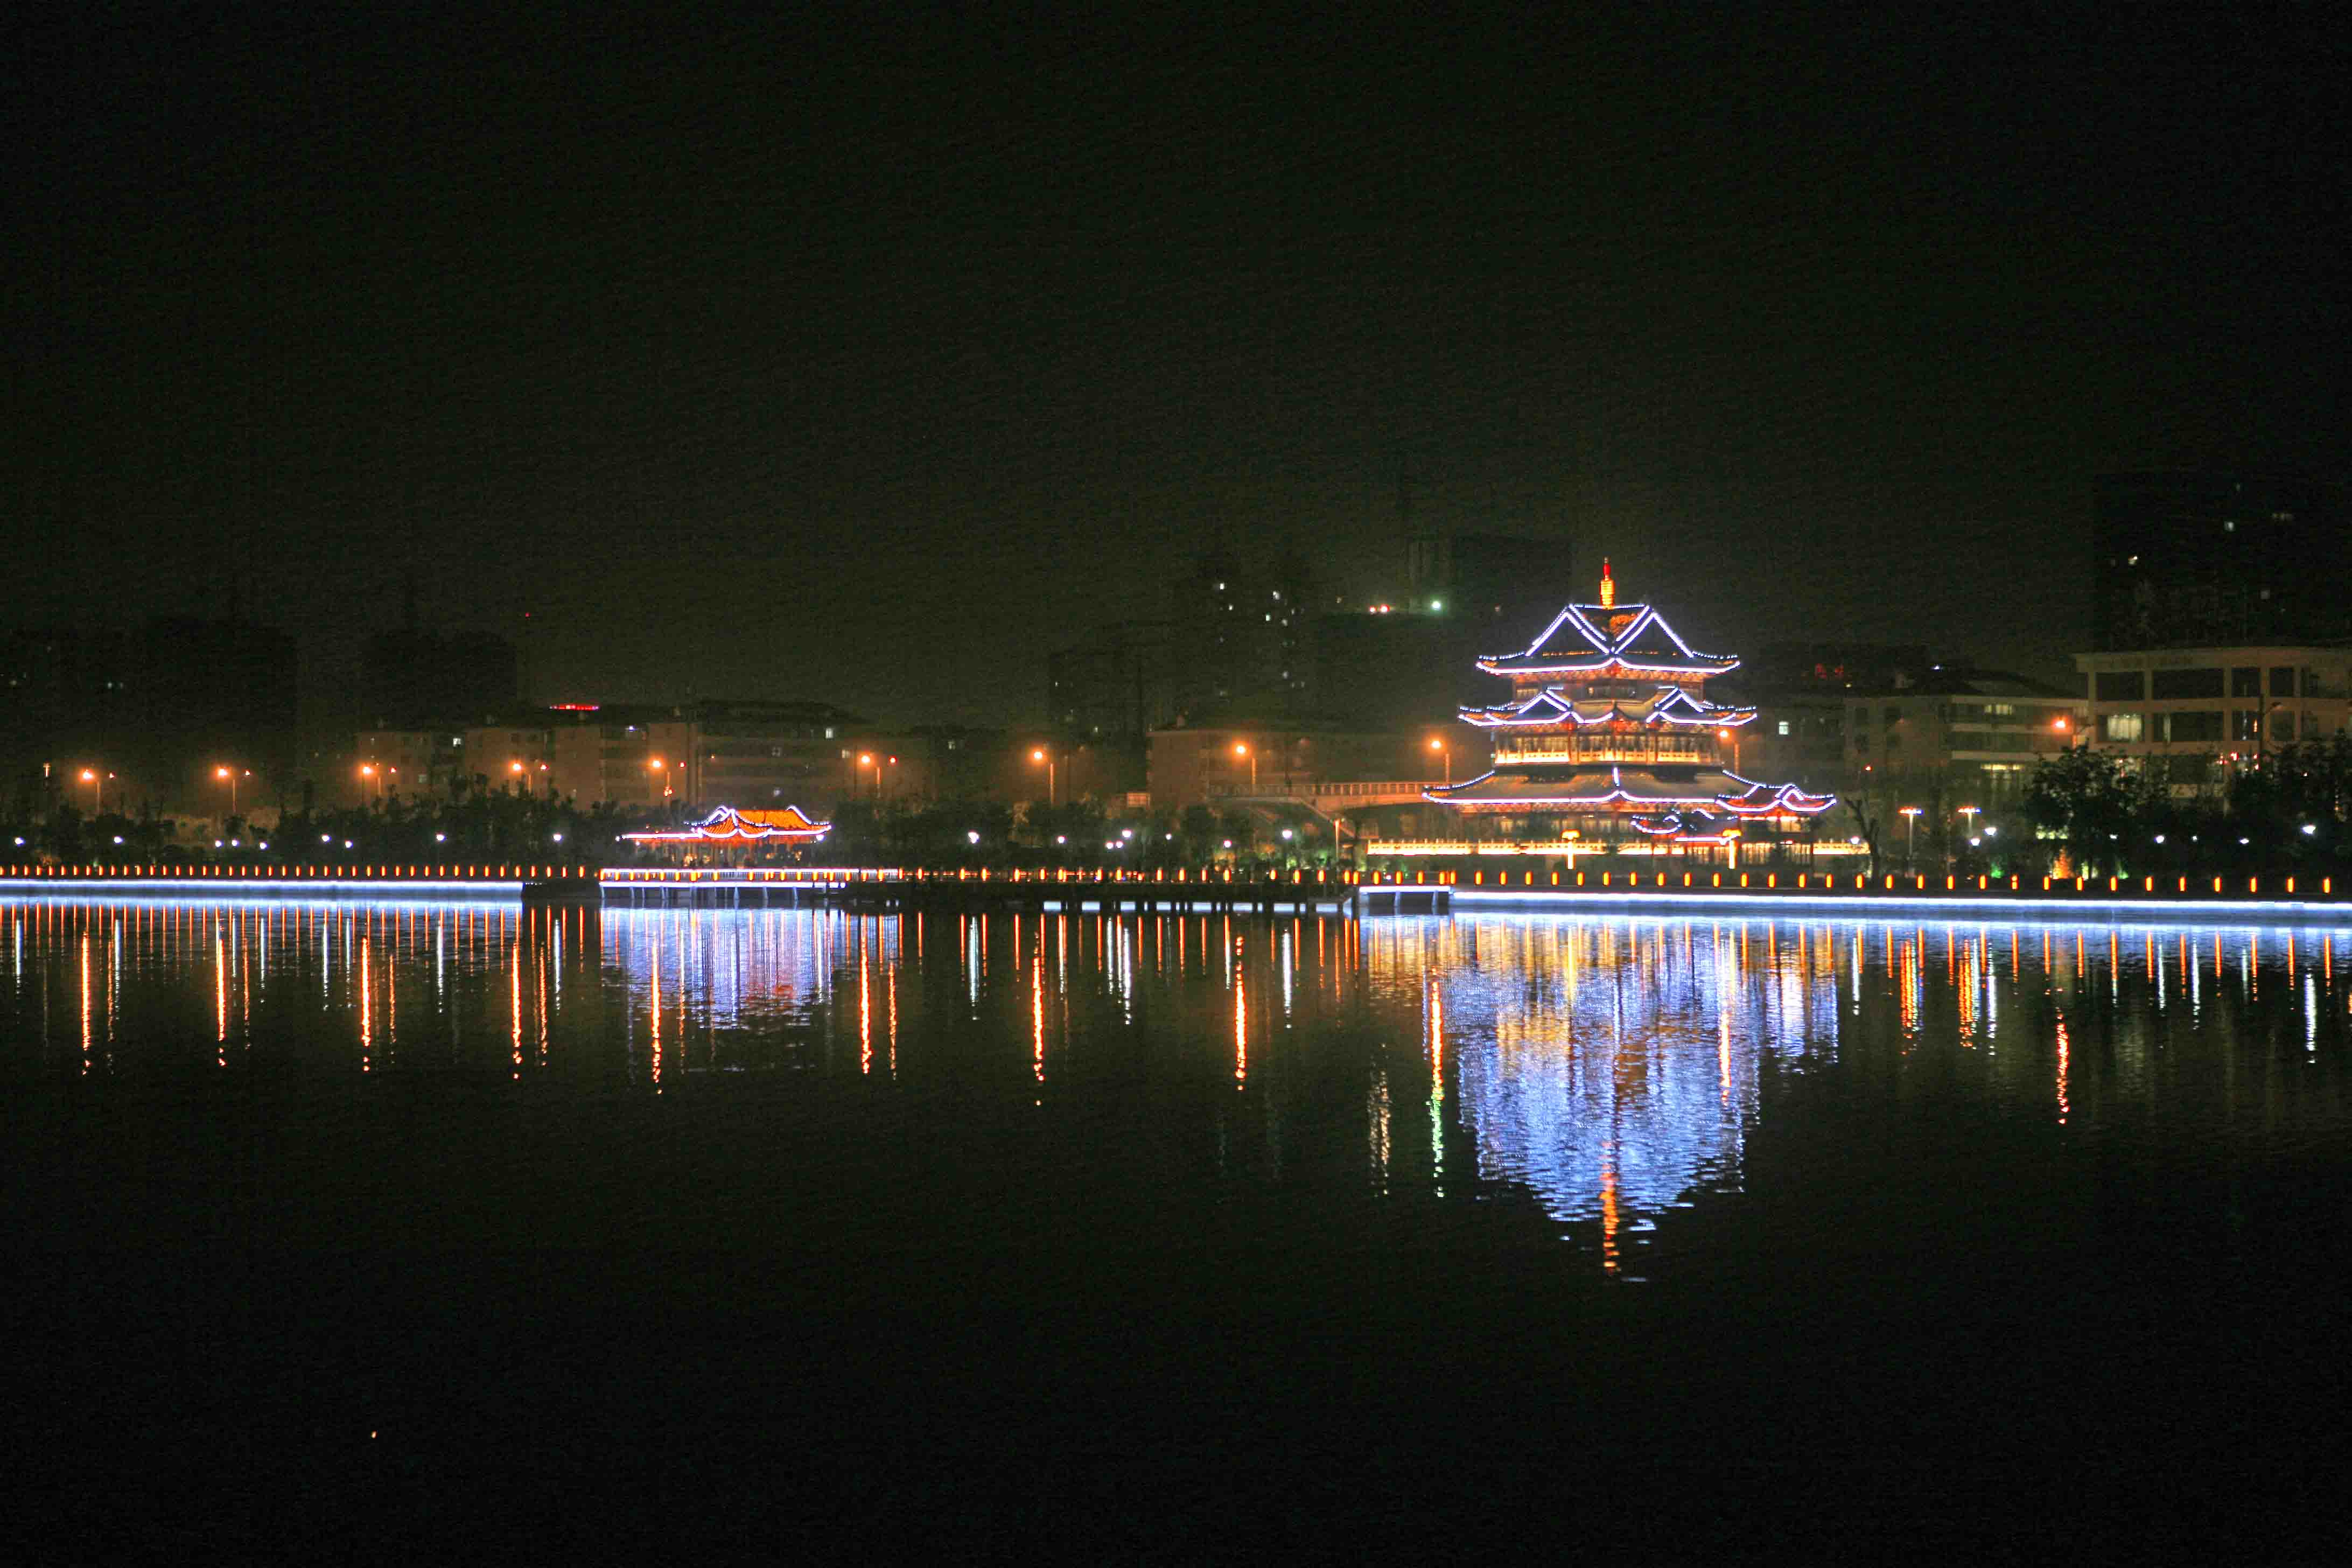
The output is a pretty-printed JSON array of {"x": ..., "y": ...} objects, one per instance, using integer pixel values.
[{"x": 866, "y": 362}]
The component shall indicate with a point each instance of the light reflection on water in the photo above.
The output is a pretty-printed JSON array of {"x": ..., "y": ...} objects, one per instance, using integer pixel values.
[{"x": 1608, "y": 1071}]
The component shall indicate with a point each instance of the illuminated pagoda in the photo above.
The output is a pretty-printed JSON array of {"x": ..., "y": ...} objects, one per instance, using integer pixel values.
[
  {"x": 727, "y": 828},
  {"x": 1609, "y": 738}
]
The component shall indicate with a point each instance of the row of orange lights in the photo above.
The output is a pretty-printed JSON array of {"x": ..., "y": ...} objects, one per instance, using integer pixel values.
[
  {"x": 1802, "y": 881},
  {"x": 301, "y": 873}
]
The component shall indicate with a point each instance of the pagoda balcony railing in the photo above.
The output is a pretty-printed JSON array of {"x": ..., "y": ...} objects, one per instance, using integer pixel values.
[{"x": 1572, "y": 848}]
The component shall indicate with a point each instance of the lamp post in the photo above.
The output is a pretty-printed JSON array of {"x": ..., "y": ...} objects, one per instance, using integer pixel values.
[
  {"x": 2262, "y": 733},
  {"x": 96, "y": 778},
  {"x": 1438, "y": 745},
  {"x": 1242, "y": 750},
  {"x": 230, "y": 777},
  {"x": 656, "y": 765},
  {"x": 1910, "y": 824},
  {"x": 1733, "y": 736},
  {"x": 865, "y": 760},
  {"x": 370, "y": 771},
  {"x": 1040, "y": 754}
]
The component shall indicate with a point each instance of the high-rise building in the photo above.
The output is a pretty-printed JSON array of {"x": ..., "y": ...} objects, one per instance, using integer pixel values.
[
  {"x": 1489, "y": 583},
  {"x": 1288, "y": 609},
  {"x": 2183, "y": 557},
  {"x": 64, "y": 698},
  {"x": 1119, "y": 682},
  {"x": 1215, "y": 638},
  {"x": 1241, "y": 639}
]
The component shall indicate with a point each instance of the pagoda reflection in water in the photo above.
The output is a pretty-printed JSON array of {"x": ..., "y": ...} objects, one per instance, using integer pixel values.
[{"x": 1612, "y": 1068}]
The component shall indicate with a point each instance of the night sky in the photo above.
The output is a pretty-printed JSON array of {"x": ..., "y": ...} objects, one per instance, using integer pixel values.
[{"x": 869, "y": 361}]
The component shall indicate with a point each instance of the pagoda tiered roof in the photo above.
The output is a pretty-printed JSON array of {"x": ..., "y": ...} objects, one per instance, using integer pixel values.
[
  {"x": 1599, "y": 640},
  {"x": 1618, "y": 680},
  {"x": 1555, "y": 708},
  {"x": 1604, "y": 786}
]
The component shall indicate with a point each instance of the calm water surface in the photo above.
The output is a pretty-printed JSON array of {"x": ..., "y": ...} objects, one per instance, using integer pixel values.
[{"x": 1955, "y": 1184}]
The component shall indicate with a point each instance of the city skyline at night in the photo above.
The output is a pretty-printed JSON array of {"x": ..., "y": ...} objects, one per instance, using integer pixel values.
[{"x": 731, "y": 352}]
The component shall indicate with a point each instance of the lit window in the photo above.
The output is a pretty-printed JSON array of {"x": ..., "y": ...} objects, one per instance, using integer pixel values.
[{"x": 1784, "y": 726}]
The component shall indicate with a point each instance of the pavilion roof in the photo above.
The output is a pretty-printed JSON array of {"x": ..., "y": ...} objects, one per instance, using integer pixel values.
[{"x": 729, "y": 826}]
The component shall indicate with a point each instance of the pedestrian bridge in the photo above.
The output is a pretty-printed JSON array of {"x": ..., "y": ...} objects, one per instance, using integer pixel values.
[{"x": 1329, "y": 798}]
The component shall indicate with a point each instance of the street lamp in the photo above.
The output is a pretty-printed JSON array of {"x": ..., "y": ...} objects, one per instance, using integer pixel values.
[
  {"x": 1732, "y": 736},
  {"x": 1242, "y": 750},
  {"x": 1438, "y": 745},
  {"x": 656, "y": 765},
  {"x": 230, "y": 777},
  {"x": 865, "y": 760},
  {"x": 1040, "y": 754},
  {"x": 1910, "y": 822},
  {"x": 96, "y": 781},
  {"x": 370, "y": 771}
]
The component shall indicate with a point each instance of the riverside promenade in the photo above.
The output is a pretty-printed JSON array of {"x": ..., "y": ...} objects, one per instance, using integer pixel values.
[
  {"x": 513, "y": 881},
  {"x": 1221, "y": 889}
]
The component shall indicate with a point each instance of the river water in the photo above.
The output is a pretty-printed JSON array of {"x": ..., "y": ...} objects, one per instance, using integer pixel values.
[{"x": 1285, "y": 1211}]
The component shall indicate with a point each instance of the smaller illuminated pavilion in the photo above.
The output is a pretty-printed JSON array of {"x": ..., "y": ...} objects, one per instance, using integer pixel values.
[
  {"x": 1609, "y": 730},
  {"x": 727, "y": 828}
]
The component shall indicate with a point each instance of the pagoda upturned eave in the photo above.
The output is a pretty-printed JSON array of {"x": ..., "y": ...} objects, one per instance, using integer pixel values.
[
  {"x": 1554, "y": 708},
  {"x": 1611, "y": 787}
]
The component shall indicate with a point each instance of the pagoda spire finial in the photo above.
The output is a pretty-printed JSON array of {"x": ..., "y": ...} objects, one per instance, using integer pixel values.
[{"x": 1608, "y": 586}]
